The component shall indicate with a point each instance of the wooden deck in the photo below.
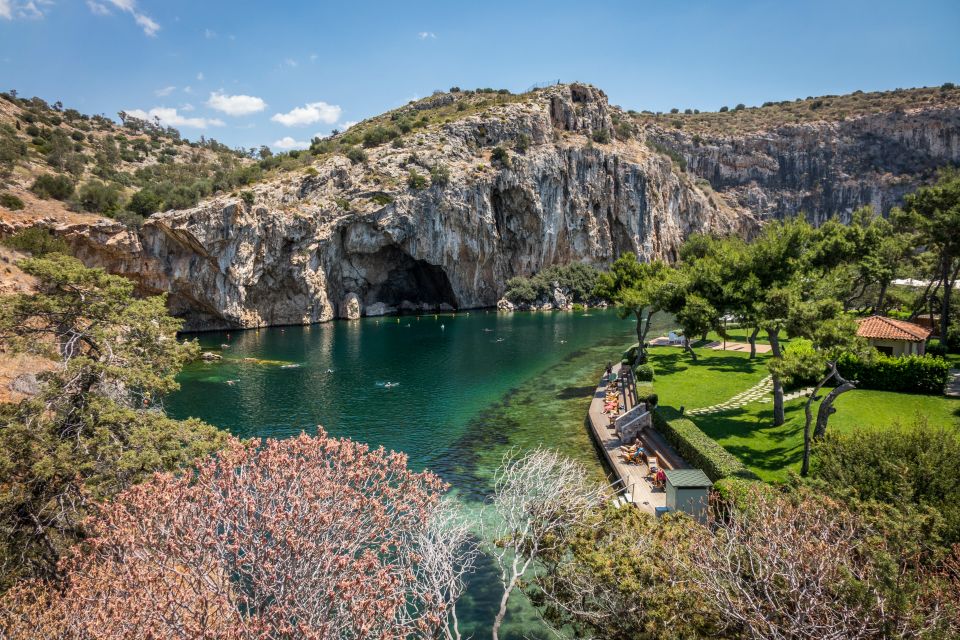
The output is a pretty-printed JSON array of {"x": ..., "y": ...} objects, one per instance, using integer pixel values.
[{"x": 638, "y": 488}]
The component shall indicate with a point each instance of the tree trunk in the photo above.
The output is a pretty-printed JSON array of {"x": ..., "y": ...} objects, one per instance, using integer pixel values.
[
  {"x": 947, "y": 292},
  {"x": 689, "y": 349},
  {"x": 808, "y": 410},
  {"x": 778, "y": 416},
  {"x": 826, "y": 407},
  {"x": 642, "y": 329},
  {"x": 753, "y": 342},
  {"x": 878, "y": 307}
]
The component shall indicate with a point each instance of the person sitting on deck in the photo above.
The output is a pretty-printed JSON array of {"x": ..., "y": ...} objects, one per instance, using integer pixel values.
[
  {"x": 660, "y": 479},
  {"x": 609, "y": 370}
]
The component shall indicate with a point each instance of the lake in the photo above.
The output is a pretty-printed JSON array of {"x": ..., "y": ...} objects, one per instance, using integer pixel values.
[{"x": 453, "y": 391}]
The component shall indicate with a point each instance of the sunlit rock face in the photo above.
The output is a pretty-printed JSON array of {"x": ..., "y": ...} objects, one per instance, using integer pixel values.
[{"x": 298, "y": 254}]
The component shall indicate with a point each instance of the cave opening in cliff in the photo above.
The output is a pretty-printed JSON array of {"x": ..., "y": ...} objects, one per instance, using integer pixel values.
[{"x": 411, "y": 284}]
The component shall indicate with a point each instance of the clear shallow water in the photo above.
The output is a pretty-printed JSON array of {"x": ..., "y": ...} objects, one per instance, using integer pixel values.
[{"x": 467, "y": 388}]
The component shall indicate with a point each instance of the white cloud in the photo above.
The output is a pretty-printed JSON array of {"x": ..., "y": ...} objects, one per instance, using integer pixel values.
[
  {"x": 187, "y": 107},
  {"x": 188, "y": 89},
  {"x": 290, "y": 62},
  {"x": 209, "y": 34},
  {"x": 200, "y": 75},
  {"x": 287, "y": 142},
  {"x": 346, "y": 125},
  {"x": 239, "y": 105},
  {"x": 308, "y": 114},
  {"x": 165, "y": 91},
  {"x": 145, "y": 22},
  {"x": 32, "y": 9},
  {"x": 427, "y": 35},
  {"x": 168, "y": 116},
  {"x": 314, "y": 57},
  {"x": 98, "y": 9}
]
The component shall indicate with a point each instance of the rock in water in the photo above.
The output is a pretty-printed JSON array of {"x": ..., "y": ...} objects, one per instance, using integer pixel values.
[
  {"x": 379, "y": 309},
  {"x": 209, "y": 356},
  {"x": 504, "y": 305},
  {"x": 350, "y": 307}
]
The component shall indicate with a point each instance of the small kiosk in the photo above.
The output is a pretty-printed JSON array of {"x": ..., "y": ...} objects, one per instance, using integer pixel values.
[{"x": 688, "y": 490}]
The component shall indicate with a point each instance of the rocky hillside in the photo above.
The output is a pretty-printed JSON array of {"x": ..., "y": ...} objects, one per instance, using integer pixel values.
[{"x": 437, "y": 204}]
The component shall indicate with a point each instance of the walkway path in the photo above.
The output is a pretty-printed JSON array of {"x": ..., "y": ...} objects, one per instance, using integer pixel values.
[
  {"x": 760, "y": 392},
  {"x": 717, "y": 345},
  {"x": 953, "y": 384}
]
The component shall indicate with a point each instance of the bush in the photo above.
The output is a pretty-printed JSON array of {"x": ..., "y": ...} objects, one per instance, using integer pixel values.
[
  {"x": 643, "y": 372},
  {"x": 416, "y": 181},
  {"x": 53, "y": 186},
  {"x": 129, "y": 219},
  {"x": 630, "y": 355},
  {"x": 650, "y": 398},
  {"x": 381, "y": 199},
  {"x": 936, "y": 348},
  {"x": 343, "y": 203},
  {"x": 248, "y": 197},
  {"x": 499, "y": 154},
  {"x": 145, "y": 202},
  {"x": 378, "y": 135},
  {"x": 700, "y": 450},
  {"x": 522, "y": 143},
  {"x": 356, "y": 155},
  {"x": 953, "y": 337},
  {"x": 911, "y": 374},
  {"x": 601, "y": 136},
  {"x": 97, "y": 197},
  {"x": 38, "y": 241},
  {"x": 10, "y": 201},
  {"x": 724, "y": 109},
  {"x": 439, "y": 175}
]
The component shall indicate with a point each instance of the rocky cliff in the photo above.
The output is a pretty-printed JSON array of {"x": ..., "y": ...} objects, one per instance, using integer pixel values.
[
  {"x": 444, "y": 215},
  {"x": 821, "y": 168},
  {"x": 304, "y": 245}
]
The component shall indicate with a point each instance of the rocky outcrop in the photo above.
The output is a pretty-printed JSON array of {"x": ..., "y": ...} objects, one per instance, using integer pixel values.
[
  {"x": 295, "y": 254},
  {"x": 344, "y": 239},
  {"x": 823, "y": 169}
]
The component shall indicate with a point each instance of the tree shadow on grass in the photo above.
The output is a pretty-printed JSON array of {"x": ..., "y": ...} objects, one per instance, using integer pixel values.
[
  {"x": 744, "y": 424},
  {"x": 670, "y": 363}
]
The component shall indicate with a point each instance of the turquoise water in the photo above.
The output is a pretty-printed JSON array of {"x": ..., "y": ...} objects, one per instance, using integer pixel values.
[{"x": 462, "y": 389}]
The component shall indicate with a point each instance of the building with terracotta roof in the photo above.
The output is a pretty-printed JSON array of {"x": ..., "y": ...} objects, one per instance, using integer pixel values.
[{"x": 893, "y": 337}]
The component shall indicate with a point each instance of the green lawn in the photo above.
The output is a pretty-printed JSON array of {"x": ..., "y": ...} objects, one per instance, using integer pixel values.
[
  {"x": 717, "y": 376},
  {"x": 771, "y": 452}
]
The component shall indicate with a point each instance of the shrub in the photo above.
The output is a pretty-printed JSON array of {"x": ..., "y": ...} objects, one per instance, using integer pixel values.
[
  {"x": 651, "y": 398},
  {"x": 381, "y": 199},
  {"x": 936, "y": 348},
  {"x": 310, "y": 171},
  {"x": 415, "y": 180},
  {"x": 630, "y": 355},
  {"x": 724, "y": 109},
  {"x": 699, "y": 449},
  {"x": 78, "y": 136},
  {"x": 439, "y": 175},
  {"x": 98, "y": 197},
  {"x": 53, "y": 186},
  {"x": 643, "y": 372},
  {"x": 38, "y": 241},
  {"x": 378, "y": 135},
  {"x": 10, "y": 201},
  {"x": 343, "y": 203},
  {"x": 740, "y": 107},
  {"x": 145, "y": 202},
  {"x": 953, "y": 337},
  {"x": 522, "y": 143},
  {"x": 520, "y": 289},
  {"x": 129, "y": 219},
  {"x": 499, "y": 154},
  {"x": 915, "y": 374},
  {"x": 601, "y": 136},
  {"x": 356, "y": 155},
  {"x": 248, "y": 197}
]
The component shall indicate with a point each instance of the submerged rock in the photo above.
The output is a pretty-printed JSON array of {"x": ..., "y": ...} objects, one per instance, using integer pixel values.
[{"x": 209, "y": 356}]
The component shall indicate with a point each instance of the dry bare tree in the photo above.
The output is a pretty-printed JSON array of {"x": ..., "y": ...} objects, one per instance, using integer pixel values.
[
  {"x": 309, "y": 537},
  {"x": 538, "y": 496}
]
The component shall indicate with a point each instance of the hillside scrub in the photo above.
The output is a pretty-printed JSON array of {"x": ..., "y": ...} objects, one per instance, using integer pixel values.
[{"x": 577, "y": 280}]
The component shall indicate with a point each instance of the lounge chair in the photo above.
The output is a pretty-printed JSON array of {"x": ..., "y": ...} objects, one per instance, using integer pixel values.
[{"x": 674, "y": 338}]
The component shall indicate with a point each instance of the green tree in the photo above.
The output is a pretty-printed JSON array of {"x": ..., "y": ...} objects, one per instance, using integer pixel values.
[
  {"x": 932, "y": 216},
  {"x": 97, "y": 425},
  {"x": 636, "y": 288},
  {"x": 145, "y": 202},
  {"x": 98, "y": 197}
]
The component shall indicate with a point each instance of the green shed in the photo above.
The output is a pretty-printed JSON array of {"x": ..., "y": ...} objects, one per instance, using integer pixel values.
[{"x": 688, "y": 490}]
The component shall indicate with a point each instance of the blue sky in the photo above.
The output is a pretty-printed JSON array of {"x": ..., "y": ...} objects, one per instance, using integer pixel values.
[{"x": 251, "y": 73}]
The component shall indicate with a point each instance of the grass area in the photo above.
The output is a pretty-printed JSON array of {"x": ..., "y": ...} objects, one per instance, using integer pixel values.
[
  {"x": 748, "y": 433},
  {"x": 715, "y": 377}
]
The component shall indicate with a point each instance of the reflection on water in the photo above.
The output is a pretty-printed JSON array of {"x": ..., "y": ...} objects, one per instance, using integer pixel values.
[{"x": 459, "y": 396}]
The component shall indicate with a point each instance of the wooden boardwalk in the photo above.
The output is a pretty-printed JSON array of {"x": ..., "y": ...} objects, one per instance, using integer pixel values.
[{"x": 638, "y": 488}]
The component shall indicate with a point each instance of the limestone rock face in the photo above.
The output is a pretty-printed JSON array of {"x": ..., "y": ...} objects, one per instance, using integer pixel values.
[
  {"x": 824, "y": 169},
  {"x": 300, "y": 256},
  {"x": 350, "y": 307}
]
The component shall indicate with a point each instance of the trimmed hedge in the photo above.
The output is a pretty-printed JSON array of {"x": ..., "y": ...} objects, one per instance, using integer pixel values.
[
  {"x": 643, "y": 372},
  {"x": 700, "y": 450},
  {"x": 911, "y": 374}
]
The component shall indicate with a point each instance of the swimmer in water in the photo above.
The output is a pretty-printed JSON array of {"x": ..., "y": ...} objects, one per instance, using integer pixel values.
[{"x": 442, "y": 327}]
